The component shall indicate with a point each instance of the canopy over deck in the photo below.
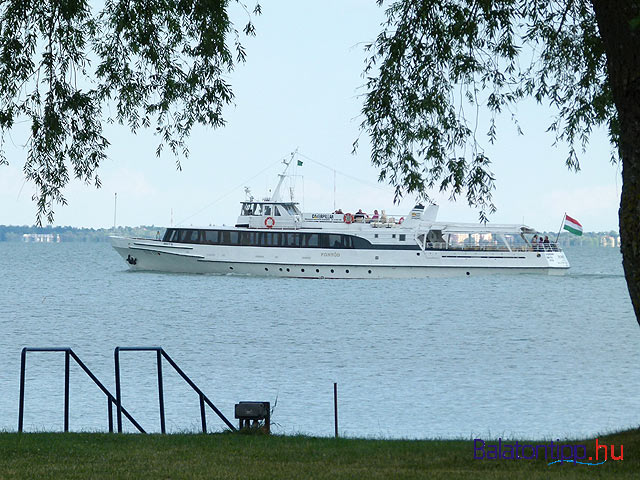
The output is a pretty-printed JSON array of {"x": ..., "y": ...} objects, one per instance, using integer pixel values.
[{"x": 496, "y": 228}]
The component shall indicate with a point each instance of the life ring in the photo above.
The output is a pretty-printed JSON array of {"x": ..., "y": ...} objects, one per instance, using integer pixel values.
[
  {"x": 269, "y": 222},
  {"x": 401, "y": 220},
  {"x": 348, "y": 218}
]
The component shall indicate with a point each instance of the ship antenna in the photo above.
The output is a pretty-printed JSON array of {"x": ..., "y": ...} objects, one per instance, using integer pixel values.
[{"x": 287, "y": 162}]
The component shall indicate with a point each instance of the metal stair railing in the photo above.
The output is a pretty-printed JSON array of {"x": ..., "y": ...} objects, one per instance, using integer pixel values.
[
  {"x": 160, "y": 353},
  {"x": 68, "y": 355}
]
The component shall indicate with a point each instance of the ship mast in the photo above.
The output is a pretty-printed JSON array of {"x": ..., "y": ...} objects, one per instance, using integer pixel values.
[{"x": 276, "y": 193}]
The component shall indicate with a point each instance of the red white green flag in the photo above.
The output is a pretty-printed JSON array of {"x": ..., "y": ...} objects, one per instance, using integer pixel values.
[{"x": 572, "y": 225}]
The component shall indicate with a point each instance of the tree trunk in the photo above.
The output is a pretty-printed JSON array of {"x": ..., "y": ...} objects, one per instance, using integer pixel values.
[{"x": 622, "y": 45}]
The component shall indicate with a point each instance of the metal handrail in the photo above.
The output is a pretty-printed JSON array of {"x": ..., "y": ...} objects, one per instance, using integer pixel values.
[
  {"x": 159, "y": 354},
  {"x": 539, "y": 247},
  {"x": 68, "y": 355}
]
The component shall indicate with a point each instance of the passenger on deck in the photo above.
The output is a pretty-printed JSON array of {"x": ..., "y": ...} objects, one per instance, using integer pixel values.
[
  {"x": 360, "y": 215},
  {"x": 375, "y": 216},
  {"x": 534, "y": 242},
  {"x": 546, "y": 239},
  {"x": 383, "y": 217},
  {"x": 338, "y": 211}
]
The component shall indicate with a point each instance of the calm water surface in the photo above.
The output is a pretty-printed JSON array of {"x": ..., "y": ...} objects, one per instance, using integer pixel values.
[{"x": 511, "y": 356}]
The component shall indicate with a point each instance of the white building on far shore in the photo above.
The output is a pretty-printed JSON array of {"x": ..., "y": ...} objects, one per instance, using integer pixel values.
[{"x": 41, "y": 237}]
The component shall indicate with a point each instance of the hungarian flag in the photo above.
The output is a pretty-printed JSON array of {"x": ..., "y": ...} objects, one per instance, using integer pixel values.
[{"x": 572, "y": 225}]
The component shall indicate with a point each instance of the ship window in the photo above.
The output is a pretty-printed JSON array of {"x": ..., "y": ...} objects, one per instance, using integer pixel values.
[
  {"x": 277, "y": 211},
  {"x": 211, "y": 237},
  {"x": 248, "y": 238},
  {"x": 189, "y": 236},
  {"x": 360, "y": 243},
  {"x": 171, "y": 235},
  {"x": 262, "y": 238},
  {"x": 229, "y": 238},
  {"x": 403, "y": 237},
  {"x": 393, "y": 236},
  {"x": 435, "y": 236},
  {"x": 292, "y": 209},
  {"x": 246, "y": 209},
  {"x": 292, "y": 240},
  {"x": 310, "y": 240},
  {"x": 335, "y": 241},
  {"x": 323, "y": 240},
  {"x": 268, "y": 239},
  {"x": 267, "y": 210}
]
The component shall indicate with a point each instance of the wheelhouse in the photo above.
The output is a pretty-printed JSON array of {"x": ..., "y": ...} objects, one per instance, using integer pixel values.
[{"x": 269, "y": 214}]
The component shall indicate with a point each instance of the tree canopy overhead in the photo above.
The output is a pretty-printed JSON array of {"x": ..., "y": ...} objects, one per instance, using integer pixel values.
[
  {"x": 438, "y": 64},
  {"x": 160, "y": 63},
  {"x": 437, "y": 61}
]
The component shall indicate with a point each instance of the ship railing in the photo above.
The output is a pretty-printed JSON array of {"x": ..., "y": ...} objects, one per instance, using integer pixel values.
[
  {"x": 542, "y": 247},
  {"x": 389, "y": 221}
]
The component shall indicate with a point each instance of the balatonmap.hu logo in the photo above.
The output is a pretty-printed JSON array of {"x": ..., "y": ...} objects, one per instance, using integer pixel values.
[{"x": 551, "y": 452}]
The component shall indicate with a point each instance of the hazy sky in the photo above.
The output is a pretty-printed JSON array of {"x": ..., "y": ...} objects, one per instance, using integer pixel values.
[{"x": 300, "y": 88}]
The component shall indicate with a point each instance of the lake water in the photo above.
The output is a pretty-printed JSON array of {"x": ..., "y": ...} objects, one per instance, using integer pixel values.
[{"x": 511, "y": 356}]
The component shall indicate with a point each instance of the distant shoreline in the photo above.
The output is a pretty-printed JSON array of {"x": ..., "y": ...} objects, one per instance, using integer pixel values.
[{"x": 24, "y": 233}]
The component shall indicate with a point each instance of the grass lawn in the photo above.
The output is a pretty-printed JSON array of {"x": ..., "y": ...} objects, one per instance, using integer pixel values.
[{"x": 231, "y": 456}]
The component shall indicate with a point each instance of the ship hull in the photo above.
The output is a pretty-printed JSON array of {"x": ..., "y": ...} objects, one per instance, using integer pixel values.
[{"x": 152, "y": 255}]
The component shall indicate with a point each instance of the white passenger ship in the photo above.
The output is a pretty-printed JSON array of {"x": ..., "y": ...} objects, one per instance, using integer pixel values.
[{"x": 274, "y": 238}]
